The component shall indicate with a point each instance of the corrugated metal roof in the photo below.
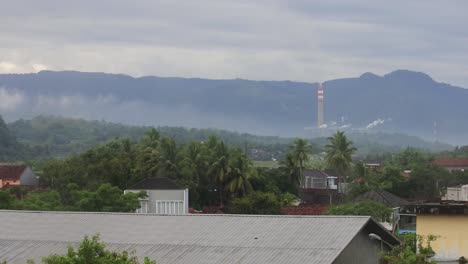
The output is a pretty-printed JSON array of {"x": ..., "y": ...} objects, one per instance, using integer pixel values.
[{"x": 181, "y": 239}]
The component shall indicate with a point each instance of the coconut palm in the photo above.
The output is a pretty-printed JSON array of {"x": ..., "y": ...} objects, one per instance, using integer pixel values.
[
  {"x": 241, "y": 170},
  {"x": 289, "y": 164},
  {"x": 300, "y": 151},
  {"x": 219, "y": 167},
  {"x": 339, "y": 152}
]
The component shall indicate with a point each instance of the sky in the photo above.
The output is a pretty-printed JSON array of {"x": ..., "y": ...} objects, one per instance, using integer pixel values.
[{"x": 298, "y": 40}]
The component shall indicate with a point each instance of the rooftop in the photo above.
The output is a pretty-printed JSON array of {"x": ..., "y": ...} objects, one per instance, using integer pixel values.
[
  {"x": 451, "y": 162},
  {"x": 186, "y": 238},
  {"x": 11, "y": 172},
  {"x": 386, "y": 198}
]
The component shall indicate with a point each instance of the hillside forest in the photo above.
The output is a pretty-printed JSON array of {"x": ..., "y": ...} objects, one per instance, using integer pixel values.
[{"x": 217, "y": 172}]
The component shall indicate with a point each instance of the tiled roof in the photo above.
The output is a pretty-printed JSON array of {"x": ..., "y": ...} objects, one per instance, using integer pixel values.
[
  {"x": 381, "y": 196},
  {"x": 315, "y": 173},
  {"x": 181, "y": 239},
  {"x": 451, "y": 162},
  {"x": 156, "y": 184},
  {"x": 312, "y": 209},
  {"x": 11, "y": 172}
]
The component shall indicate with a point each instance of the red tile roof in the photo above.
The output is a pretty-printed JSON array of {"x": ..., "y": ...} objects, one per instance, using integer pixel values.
[
  {"x": 310, "y": 209},
  {"x": 11, "y": 172},
  {"x": 451, "y": 162}
]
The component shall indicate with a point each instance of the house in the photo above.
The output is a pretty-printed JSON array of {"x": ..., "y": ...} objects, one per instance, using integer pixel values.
[
  {"x": 456, "y": 193},
  {"x": 401, "y": 221},
  {"x": 452, "y": 164},
  {"x": 448, "y": 221},
  {"x": 163, "y": 197},
  {"x": 197, "y": 239},
  {"x": 381, "y": 196},
  {"x": 322, "y": 187},
  {"x": 17, "y": 175}
]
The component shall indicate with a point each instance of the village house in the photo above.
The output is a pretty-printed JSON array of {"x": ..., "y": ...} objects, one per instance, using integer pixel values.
[
  {"x": 17, "y": 175},
  {"x": 452, "y": 164},
  {"x": 164, "y": 196},
  {"x": 447, "y": 220},
  {"x": 198, "y": 238},
  {"x": 322, "y": 187},
  {"x": 456, "y": 193}
]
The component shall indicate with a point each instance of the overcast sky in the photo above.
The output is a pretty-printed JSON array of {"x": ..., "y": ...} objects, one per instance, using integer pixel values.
[{"x": 299, "y": 40}]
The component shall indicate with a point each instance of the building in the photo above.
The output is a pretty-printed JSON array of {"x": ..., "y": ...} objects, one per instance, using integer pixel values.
[
  {"x": 322, "y": 187},
  {"x": 320, "y": 118},
  {"x": 163, "y": 197},
  {"x": 197, "y": 239},
  {"x": 452, "y": 164},
  {"x": 381, "y": 196},
  {"x": 447, "y": 221},
  {"x": 456, "y": 193},
  {"x": 17, "y": 175}
]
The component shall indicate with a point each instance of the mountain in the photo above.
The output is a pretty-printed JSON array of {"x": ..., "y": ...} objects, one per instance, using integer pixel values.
[{"x": 399, "y": 102}]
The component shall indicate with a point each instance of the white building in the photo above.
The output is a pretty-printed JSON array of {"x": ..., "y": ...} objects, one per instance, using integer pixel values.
[
  {"x": 163, "y": 197},
  {"x": 458, "y": 193}
]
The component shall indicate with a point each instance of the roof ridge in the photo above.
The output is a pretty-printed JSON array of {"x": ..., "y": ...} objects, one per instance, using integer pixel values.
[{"x": 186, "y": 215}]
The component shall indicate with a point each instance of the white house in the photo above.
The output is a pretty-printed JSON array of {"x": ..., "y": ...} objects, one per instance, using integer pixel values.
[{"x": 163, "y": 197}]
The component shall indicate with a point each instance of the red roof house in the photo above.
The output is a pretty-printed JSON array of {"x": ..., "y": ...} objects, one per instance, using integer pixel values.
[
  {"x": 452, "y": 163},
  {"x": 17, "y": 175}
]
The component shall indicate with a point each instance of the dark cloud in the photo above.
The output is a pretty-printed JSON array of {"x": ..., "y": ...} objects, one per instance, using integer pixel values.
[{"x": 265, "y": 39}]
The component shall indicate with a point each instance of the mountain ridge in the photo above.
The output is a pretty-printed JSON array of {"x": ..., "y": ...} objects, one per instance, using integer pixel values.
[{"x": 401, "y": 101}]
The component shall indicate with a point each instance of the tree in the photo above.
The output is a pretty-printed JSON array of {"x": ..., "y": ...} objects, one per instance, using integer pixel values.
[
  {"x": 240, "y": 172},
  {"x": 339, "y": 151},
  {"x": 93, "y": 251},
  {"x": 168, "y": 159},
  {"x": 300, "y": 150},
  {"x": 220, "y": 168},
  {"x": 256, "y": 203},
  {"x": 414, "y": 249},
  {"x": 291, "y": 168},
  {"x": 377, "y": 210}
]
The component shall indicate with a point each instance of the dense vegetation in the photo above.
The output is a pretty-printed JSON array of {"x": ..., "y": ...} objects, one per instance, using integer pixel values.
[
  {"x": 427, "y": 181},
  {"x": 218, "y": 169},
  {"x": 45, "y": 137}
]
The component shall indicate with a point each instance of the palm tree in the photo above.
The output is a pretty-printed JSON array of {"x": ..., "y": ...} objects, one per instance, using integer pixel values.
[
  {"x": 168, "y": 159},
  {"x": 300, "y": 150},
  {"x": 220, "y": 167},
  {"x": 339, "y": 152},
  {"x": 290, "y": 165},
  {"x": 241, "y": 170}
]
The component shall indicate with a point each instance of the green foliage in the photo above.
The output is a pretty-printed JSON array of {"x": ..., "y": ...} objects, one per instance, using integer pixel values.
[
  {"x": 297, "y": 157},
  {"x": 414, "y": 249},
  {"x": 339, "y": 151},
  {"x": 92, "y": 251},
  {"x": 257, "y": 203},
  {"x": 377, "y": 210}
]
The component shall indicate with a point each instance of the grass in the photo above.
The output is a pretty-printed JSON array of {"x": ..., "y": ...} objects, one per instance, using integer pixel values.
[{"x": 266, "y": 164}]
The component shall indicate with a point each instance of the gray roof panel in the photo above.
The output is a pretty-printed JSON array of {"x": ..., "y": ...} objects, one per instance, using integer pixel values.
[{"x": 181, "y": 239}]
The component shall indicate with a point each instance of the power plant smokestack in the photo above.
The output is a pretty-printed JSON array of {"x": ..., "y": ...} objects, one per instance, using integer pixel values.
[{"x": 320, "y": 121}]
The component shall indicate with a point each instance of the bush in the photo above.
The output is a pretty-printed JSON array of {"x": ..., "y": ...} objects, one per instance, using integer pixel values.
[{"x": 256, "y": 203}]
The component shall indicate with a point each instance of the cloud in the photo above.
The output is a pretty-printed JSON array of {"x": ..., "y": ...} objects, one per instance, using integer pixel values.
[
  {"x": 10, "y": 100},
  {"x": 275, "y": 39}
]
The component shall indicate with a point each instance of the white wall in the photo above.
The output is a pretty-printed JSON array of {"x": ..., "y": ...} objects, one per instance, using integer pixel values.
[{"x": 164, "y": 201}]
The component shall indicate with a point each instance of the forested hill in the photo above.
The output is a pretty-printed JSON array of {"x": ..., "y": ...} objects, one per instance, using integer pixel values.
[
  {"x": 62, "y": 136},
  {"x": 402, "y": 101}
]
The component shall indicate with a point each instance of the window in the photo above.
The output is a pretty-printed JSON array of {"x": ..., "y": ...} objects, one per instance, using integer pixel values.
[{"x": 169, "y": 207}]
